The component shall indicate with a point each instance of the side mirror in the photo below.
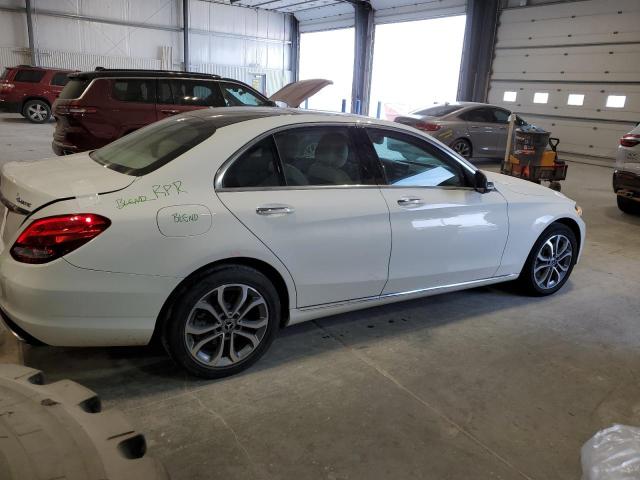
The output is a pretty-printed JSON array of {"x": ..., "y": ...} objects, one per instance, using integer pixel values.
[{"x": 481, "y": 184}]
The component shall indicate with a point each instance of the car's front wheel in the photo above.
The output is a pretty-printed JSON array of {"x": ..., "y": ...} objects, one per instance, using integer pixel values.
[
  {"x": 223, "y": 322},
  {"x": 627, "y": 205},
  {"x": 550, "y": 262},
  {"x": 36, "y": 111}
]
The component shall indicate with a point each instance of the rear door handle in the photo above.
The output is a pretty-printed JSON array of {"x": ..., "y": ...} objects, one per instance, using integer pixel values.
[
  {"x": 170, "y": 112},
  {"x": 274, "y": 210},
  {"x": 410, "y": 202}
]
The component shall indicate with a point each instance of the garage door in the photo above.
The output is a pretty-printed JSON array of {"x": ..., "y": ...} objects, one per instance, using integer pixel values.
[{"x": 572, "y": 68}]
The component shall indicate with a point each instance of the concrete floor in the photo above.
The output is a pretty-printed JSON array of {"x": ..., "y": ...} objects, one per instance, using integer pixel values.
[{"x": 478, "y": 384}]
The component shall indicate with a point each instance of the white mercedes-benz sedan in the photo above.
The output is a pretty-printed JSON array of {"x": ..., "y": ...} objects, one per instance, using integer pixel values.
[{"x": 213, "y": 229}]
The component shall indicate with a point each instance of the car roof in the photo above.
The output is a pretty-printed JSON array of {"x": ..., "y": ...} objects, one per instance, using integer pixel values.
[
  {"x": 30, "y": 67},
  {"x": 104, "y": 72}
]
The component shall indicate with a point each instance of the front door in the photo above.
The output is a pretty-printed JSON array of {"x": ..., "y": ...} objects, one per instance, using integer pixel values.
[
  {"x": 308, "y": 195},
  {"x": 482, "y": 131},
  {"x": 443, "y": 231},
  {"x": 181, "y": 95}
]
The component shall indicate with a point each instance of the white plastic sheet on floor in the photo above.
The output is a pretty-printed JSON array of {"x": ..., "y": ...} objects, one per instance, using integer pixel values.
[{"x": 612, "y": 454}]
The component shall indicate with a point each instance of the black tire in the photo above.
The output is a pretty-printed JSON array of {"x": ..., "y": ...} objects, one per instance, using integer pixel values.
[
  {"x": 36, "y": 111},
  {"x": 627, "y": 205},
  {"x": 528, "y": 281},
  {"x": 463, "y": 147},
  {"x": 231, "y": 279}
]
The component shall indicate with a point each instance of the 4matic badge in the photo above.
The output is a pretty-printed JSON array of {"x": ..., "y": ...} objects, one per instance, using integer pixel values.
[{"x": 22, "y": 202}]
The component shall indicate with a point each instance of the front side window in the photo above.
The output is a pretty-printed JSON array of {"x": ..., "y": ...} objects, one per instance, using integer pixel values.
[
  {"x": 60, "y": 79},
  {"x": 200, "y": 93},
  {"x": 151, "y": 147},
  {"x": 135, "y": 90},
  {"x": 29, "y": 76},
  {"x": 409, "y": 162},
  {"x": 255, "y": 168},
  {"x": 323, "y": 156},
  {"x": 236, "y": 95}
]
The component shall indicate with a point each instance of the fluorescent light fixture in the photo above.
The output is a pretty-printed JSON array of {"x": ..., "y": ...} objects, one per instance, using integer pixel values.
[
  {"x": 540, "y": 97},
  {"x": 576, "y": 99},
  {"x": 616, "y": 101},
  {"x": 509, "y": 96}
]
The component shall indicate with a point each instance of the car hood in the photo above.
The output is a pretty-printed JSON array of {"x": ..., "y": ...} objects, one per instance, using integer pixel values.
[
  {"x": 522, "y": 187},
  {"x": 295, "y": 93}
]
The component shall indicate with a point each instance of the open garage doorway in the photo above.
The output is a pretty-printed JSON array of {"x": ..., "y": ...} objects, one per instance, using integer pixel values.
[
  {"x": 328, "y": 55},
  {"x": 416, "y": 64}
]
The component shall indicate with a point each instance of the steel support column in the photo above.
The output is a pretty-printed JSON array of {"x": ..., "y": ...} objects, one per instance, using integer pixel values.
[
  {"x": 363, "y": 57},
  {"x": 32, "y": 46},
  {"x": 295, "y": 49},
  {"x": 185, "y": 34},
  {"x": 477, "y": 50}
]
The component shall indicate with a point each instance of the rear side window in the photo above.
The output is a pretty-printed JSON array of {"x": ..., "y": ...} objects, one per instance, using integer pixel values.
[
  {"x": 134, "y": 90},
  {"x": 60, "y": 79},
  {"x": 479, "y": 115},
  {"x": 74, "y": 88},
  {"x": 190, "y": 92},
  {"x": 501, "y": 116},
  {"x": 149, "y": 148},
  {"x": 257, "y": 167},
  {"x": 29, "y": 76},
  {"x": 236, "y": 95}
]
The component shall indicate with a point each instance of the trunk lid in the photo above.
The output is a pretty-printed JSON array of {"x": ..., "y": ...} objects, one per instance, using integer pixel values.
[
  {"x": 297, "y": 92},
  {"x": 25, "y": 186}
]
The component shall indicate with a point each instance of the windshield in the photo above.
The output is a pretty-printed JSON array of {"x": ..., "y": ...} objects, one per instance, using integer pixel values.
[
  {"x": 148, "y": 149},
  {"x": 438, "y": 110}
]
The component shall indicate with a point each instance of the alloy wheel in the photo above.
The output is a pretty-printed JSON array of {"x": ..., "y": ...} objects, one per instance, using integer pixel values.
[
  {"x": 463, "y": 148},
  {"x": 553, "y": 261},
  {"x": 226, "y": 325},
  {"x": 37, "y": 112}
]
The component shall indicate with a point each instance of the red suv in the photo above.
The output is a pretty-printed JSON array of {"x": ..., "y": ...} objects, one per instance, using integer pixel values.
[
  {"x": 98, "y": 107},
  {"x": 31, "y": 91}
]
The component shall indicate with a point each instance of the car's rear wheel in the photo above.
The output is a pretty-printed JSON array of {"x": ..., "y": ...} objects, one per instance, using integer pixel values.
[
  {"x": 463, "y": 147},
  {"x": 36, "y": 111},
  {"x": 223, "y": 322},
  {"x": 627, "y": 205},
  {"x": 550, "y": 262}
]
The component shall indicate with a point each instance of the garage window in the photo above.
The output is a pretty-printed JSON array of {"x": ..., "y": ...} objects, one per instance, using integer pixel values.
[
  {"x": 616, "y": 101},
  {"x": 540, "y": 97},
  {"x": 509, "y": 96},
  {"x": 575, "y": 99}
]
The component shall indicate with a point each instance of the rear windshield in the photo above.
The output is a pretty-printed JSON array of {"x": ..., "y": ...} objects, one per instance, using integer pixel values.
[
  {"x": 149, "y": 148},
  {"x": 74, "y": 88},
  {"x": 438, "y": 110}
]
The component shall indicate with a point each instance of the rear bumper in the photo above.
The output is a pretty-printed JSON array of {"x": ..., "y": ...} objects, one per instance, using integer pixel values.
[
  {"x": 62, "y": 305},
  {"x": 626, "y": 184}
]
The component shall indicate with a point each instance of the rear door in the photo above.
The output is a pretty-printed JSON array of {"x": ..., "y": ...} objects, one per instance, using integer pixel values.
[
  {"x": 177, "y": 96},
  {"x": 133, "y": 103},
  {"x": 482, "y": 131},
  {"x": 313, "y": 200}
]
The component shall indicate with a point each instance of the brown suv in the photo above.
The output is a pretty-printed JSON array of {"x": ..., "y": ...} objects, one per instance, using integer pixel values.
[
  {"x": 98, "y": 107},
  {"x": 30, "y": 91}
]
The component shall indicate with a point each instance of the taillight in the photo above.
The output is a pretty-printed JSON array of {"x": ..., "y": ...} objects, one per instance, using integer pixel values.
[
  {"x": 6, "y": 86},
  {"x": 428, "y": 127},
  {"x": 82, "y": 110},
  {"x": 630, "y": 140},
  {"x": 52, "y": 237}
]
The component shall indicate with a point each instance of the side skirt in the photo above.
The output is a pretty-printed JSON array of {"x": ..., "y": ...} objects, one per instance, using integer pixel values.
[{"x": 299, "y": 315}]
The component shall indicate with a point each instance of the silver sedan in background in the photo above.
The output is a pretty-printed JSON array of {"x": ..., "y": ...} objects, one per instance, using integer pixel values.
[{"x": 476, "y": 130}]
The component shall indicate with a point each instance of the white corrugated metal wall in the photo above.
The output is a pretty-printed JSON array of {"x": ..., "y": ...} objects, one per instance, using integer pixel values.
[
  {"x": 588, "y": 49},
  {"x": 82, "y": 34}
]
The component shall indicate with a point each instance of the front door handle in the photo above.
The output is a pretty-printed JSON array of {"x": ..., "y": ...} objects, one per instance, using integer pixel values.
[
  {"x": 170, "y": 112},
  {"x": 410, "y": 202},
  {"x": 274, "y": 210}
]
